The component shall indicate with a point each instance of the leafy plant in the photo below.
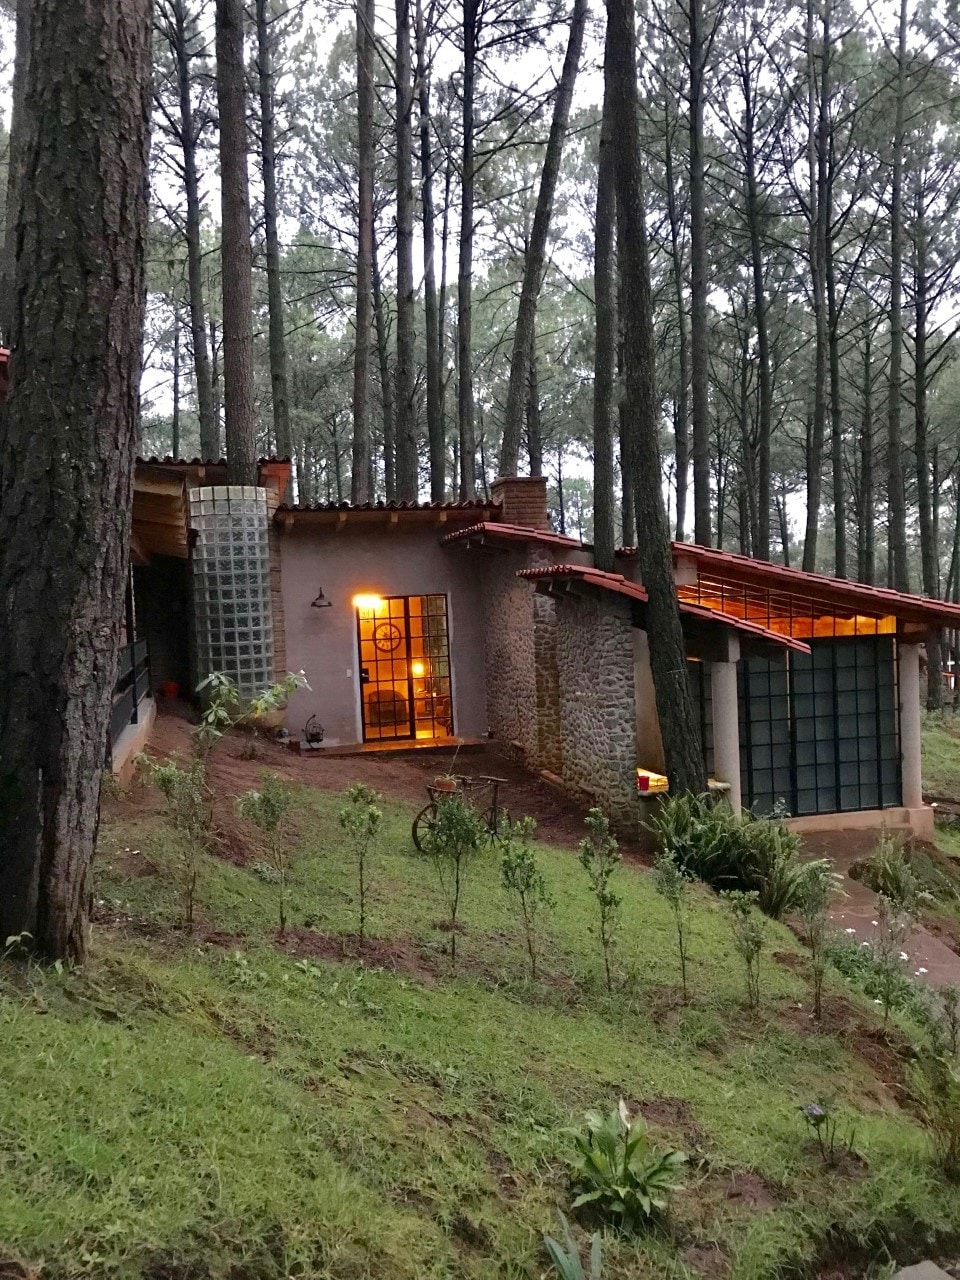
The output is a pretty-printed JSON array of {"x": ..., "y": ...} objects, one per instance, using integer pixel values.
[
  {"x": 600, "y": 857},
  {"x": 732, "y": 851},
  {"x": 936, "y": 1081},
  {"x": 620, "y": 1173},
  {"x": 945, "y": 1021},
  {"x": 225, "y": 708},
  {"x": 887, "y": 950},
  {"x": 268, "y": 809},
  {"x": 361, "y": 818},
  {"x": 674, "y": 887},
  {"x": 888, "y": 871},
  {"x": 566, "y": 1257},
  {"x": 821, "y": 1119},
  {"x": 189, "y": 804},
  {"x": 524, "y": 882},
  {"x": 457, "y": 835},
  {"x": 819, "y": 886},
  {"x": 749, "y": 936}
]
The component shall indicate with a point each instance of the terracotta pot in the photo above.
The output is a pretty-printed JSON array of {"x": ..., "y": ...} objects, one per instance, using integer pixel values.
[
  {"x": 170, "y": 689},
  {"x": 447, "y": 785}
]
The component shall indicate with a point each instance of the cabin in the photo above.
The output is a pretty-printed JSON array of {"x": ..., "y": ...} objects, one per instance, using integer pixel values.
[{"x": 429, "y": 624}]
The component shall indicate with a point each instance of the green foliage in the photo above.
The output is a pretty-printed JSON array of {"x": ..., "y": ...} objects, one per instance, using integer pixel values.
[
  {"x": 619, "y": 1172},
  {"x": 525, "y": 884},
  {"x": 945, "y": 1021},
  {"x": 599, "y": 856},
  {"x": 733, "y": 851},
  {"x": 674, "y": 887},
  {"x": 566, "y": 1257},
  {"x": 362, "y": 818},
  {"x": 457, "y": 835},
  {"x": 823, "y": 1122},
  {"x": 819, "y": 885},
  {"x": 888, "y": 871},
  {"x": 749, "y": 937},
  {"x": 225, "y": 709},
  {"x": 936, "y": 1081},
  {"x": 189, "y": 804},
  {"x": 268, "y": 809},
  {"x": 887, "y": 946}
]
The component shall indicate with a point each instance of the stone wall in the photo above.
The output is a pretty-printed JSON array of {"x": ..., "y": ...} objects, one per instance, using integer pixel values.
[
  {"x": 509, "y": 651},
  {"x": 598, "y": 705}
]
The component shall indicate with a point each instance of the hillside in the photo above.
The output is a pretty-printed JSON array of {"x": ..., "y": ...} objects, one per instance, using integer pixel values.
[{"x": 229, "y": 1105}]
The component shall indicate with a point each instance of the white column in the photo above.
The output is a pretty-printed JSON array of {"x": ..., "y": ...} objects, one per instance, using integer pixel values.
[
  {"x": 726, "y": 728},
  {"x": 908, "y": 657}
]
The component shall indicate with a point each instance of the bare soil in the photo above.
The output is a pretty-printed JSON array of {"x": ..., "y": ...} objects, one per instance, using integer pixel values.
[{"x": 399, "y": 955}]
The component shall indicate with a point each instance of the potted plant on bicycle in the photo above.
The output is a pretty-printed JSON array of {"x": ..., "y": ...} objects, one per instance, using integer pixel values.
[{"x": 446, "y": 783}]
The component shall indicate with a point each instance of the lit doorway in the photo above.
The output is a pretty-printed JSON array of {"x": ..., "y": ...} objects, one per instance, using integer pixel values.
[{"x": 404, "y": 647}]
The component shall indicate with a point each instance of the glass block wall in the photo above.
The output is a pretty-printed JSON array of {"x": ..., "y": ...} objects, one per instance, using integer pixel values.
[{"x": 233, "y": 620}]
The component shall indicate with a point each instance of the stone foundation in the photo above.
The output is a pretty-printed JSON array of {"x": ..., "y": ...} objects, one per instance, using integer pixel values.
[{"x": 598, "y": 706}]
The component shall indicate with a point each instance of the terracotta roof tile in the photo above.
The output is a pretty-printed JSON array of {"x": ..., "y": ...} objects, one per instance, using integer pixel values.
[{"x": 512, "y": 533}]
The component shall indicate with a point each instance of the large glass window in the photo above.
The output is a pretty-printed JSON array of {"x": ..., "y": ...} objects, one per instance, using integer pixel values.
[{"x": 405, "y": 687}]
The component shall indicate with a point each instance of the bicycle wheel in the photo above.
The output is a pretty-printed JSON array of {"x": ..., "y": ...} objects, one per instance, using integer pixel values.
[{"x": 422, "y": 824}]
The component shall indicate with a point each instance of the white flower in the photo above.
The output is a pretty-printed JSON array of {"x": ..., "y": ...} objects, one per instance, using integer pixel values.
[
  {"x": 876, "y": 1002},
  {"x": 921, "y": 970},
  {"x": 850, "y": 931},
  {"x": 874, "y": 922},
  {"x": 864, "y": 944},
  {"x": 904, "y": 956}
]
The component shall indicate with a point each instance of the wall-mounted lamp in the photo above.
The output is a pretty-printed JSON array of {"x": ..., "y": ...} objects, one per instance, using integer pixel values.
[
  {"x": 367, "y": 602},
  {"x": 321, "y": 601}
]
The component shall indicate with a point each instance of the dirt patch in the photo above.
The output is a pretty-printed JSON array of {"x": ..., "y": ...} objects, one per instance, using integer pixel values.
[
  {"x": 133, "y": 865},
  {"x": 791, "y": 960},
  {"x": 665, "y": 1113},
  {"x": 707, "y": 1260},
  {"x": 10, "y": 1269},
  {"x": 399, "y": 955},
  {"x": 746, "y": 1188},
  {"x": 131, "y": 926},
  {"x": 473, "y": 1234}
]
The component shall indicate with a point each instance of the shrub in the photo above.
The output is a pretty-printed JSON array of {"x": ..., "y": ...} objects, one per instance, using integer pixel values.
[
  {"x": 936, "y": 1082},
  {"x": 457, "y": 835},
  {"x": 362, "y": 819},
  {"x": 566, "y": 1257},
  {"x": 888, "y": 871},
  {"x": 944, "y": 1021},
  {"x": 225, "y": 709},
  {"x": 821, "y": 1120},
  {"x": 749, "y": 936},
  {"x": 268, "y": 809},
  {"x": 189, "y": 804},
  {"x": 525, "y": 883},
  {"x": 619, "y": 1173},
  {"x": 673, "y": 886},
  {"x": 819, "y": 886},
  {"x": 600, "y": 857},
  {"x": 732, "y": 851},
  {"x": 894, "y": 927}
]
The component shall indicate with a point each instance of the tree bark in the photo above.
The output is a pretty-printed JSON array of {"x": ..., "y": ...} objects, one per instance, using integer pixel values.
[
  {"x": 407, "y": 456},
  {"x": 14, "y": 168},
  {"x": 679, "y": 726},
  {"x": 534, "y": 425},
  {"x": 175, "y": 420},
  {"x": 180, "y": 48},
  {"x": 836, "y": 416},
  {"x": 236, "y": 251},
  {"x": 867, "y": 557},
  {"x": 366, "y": 106},
  {"x": 215, "y": 388},
  {"x": 280, "y": 395},
  {"x": 761, "y": 547},
  {"x": 67, "y": 441},
  {"x": 605, "y": 346},
  {"x": 535, "y": 257},
  {"x": 681, "y": 418},
  {"x": 896, "y": 493},
  {"x": 699, "y": 335},
  {"x": 430, "y": 302},
  {"x": 465, "y": 402},
  {"x": 386, "y": 381}
]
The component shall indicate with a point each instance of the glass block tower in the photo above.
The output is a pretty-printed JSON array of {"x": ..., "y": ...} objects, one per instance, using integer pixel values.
[{"x": 233, "y": 620}]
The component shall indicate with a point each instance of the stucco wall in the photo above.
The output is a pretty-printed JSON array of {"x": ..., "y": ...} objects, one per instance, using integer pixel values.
[
  {"x": 595, "y": 661},
  {"x": 391, "y": 561}
]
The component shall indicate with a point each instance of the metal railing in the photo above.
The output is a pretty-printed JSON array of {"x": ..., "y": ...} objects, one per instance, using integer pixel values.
[{"x": 133, "y": 685}]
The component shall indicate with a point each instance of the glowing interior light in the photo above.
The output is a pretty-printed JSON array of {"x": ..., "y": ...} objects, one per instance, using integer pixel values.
[
  {"x": 368, "y": 603},
  {"x": 417, "y": 669}
]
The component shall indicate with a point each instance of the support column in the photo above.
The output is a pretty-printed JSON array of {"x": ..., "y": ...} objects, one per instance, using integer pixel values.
[
  {"x": 908, "y": 663},
  {"x": 726, "y": 725}
]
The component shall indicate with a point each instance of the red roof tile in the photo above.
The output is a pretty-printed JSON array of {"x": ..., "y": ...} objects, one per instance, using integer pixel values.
[
  {"x": 512, "y": 533},
  {"x": 474, "y": 504},
  {"x": 832, "y": 592},
  {"x": 619, "y": 585}
]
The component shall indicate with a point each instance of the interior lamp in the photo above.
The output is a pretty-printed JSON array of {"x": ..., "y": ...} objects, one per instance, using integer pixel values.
[
  {"x": 417, "y": 669},
  {"x": 368, "y": 603}
]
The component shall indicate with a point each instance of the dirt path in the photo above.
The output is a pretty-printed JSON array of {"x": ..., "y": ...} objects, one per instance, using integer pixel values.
[{"x": 931, "y": 961}]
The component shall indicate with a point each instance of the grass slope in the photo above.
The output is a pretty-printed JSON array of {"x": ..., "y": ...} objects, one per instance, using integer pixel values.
[{"x": 193, "y": 1109}]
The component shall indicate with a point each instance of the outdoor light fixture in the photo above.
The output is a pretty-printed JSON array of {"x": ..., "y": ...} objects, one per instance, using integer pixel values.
[
  {"x": 367, "y": 603},
  {"x": 321, "y": 601}
]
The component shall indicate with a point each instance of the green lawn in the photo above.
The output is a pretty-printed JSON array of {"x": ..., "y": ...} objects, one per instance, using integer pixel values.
[
  {"x": 941, "y": 756},
  {"x": 193, "y": 1109}
]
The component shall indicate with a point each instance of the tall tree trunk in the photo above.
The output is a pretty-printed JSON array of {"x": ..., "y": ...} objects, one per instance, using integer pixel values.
[
  {"x": 14, "y": 170},
  {"x": 386, "y": 381},
  {"x": 215, "y": 388},
  {"x": 268, "y": 158},
  {"x": 535, "y": 257},
  {"x": 236, "y": 250},
  {"x": 679, "y": 724},
  {"x": 465, "y": 404},
  {"x": 699, "y": 337},
  {"x": 366, "y": 143},
  {"x": 209, "y": 425},
  {"x": 605, "y": 346},
  {"x": 896, "y": 496},
  {"x": 628, "y": 461},
  {"x": 681, "y": 417},
  {"x": 836, "y": 418},
  {"x": 430, "y": 303},
  {"x": 534, "y": 431},
  {"x": 867, "y": 558},
  {"x": 764, "y": 374},
  {"x": 407, "y": 457},
  {"x": 67, "y": 440},
  {"x": 175, "y": 422}
]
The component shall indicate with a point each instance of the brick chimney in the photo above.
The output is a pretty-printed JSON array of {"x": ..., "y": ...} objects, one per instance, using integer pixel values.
[{"x": 523, "y": 500}]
